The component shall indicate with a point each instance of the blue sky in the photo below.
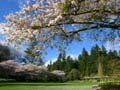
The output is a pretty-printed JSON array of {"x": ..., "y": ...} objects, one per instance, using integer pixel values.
[
  {"x": 8, "y": 6},
  {"x": 11, "y": 6}
]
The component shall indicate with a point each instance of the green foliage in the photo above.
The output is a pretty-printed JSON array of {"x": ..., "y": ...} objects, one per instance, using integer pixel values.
[
  {"x": 4, "y": 53},
  {"x": 114, "y": 67},
  {"x": 110, "y": 85},
  {"x": 64, "y": 7},
  {"x": 93, "y": 64},
  {"x": 74, "y": 74},
  {"x": 32, "y": 55},
  {"x": 93, "y": 59},
  {"x": 100, "y": 70},
  {"x": 85, "y": 59}
]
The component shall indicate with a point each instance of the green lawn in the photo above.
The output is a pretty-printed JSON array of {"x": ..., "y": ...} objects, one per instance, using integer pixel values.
[
  {"x": 76, "y": 85},
  {"x": 45, "y": 88}
]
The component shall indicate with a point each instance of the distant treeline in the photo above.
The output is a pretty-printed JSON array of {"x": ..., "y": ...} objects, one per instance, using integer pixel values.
[
  {"x": 5, "y": 53},
  {"x": 99, "y": 62}
]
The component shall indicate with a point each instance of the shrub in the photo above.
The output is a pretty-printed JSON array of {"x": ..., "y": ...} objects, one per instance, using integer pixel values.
[
  {"x": 29, "y": 72},
  {"x": 74, "y": 75},
  {"x": 110, "y": 86},
  {"x": 60, "y": 73}
]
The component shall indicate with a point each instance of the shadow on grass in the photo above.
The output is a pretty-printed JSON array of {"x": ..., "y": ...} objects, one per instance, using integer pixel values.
[{"x": 34, "y": 84}]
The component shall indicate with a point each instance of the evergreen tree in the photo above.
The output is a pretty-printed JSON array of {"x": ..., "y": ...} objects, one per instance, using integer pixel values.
[
  {"x": 112, "y": 54},
  {"x": 30, "y": 54},
  {"x": 4, "y": 53},
  {"x": 85, "y": 58},
  {"x": 94, "y": 54},
  {"x": 69, "y": 64},
  {"x": 114, "y": 68},
  {"x": 119, "y": 53},
  {"x": 104, "y": 60},
  {"x": 104, "y": 51},
  {"x": 99, "y": 62},
  {"x": 50, "y": 66},
  {"x": 81, "y": 64}
]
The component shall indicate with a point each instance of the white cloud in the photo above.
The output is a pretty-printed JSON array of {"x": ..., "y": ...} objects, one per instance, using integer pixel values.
[
  {"x": 52, "y": 61},
  {"x": 2, "y": 37},
  {"x": 3, "y": 43},
  {"x": 74, "y": 56},
  {"x": 55, "y": 59},
  {"x": 1, "y": 28}
]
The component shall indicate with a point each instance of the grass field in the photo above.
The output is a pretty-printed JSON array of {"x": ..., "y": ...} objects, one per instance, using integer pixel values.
[{"x": 76, "y": 85}]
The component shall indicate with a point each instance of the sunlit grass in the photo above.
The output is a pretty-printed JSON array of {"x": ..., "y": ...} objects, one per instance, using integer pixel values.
[
  {"x": 70, "y": 83},
  {"x": 73, "y": 85}
]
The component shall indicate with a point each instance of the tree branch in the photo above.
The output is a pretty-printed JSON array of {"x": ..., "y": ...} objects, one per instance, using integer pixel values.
[
  {"x": 113, "y": 26},
  {"x": 92, "y": 11}
]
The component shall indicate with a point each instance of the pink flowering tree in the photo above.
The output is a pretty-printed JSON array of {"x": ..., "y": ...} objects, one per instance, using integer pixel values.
[{"x": 55, "y": 23}]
